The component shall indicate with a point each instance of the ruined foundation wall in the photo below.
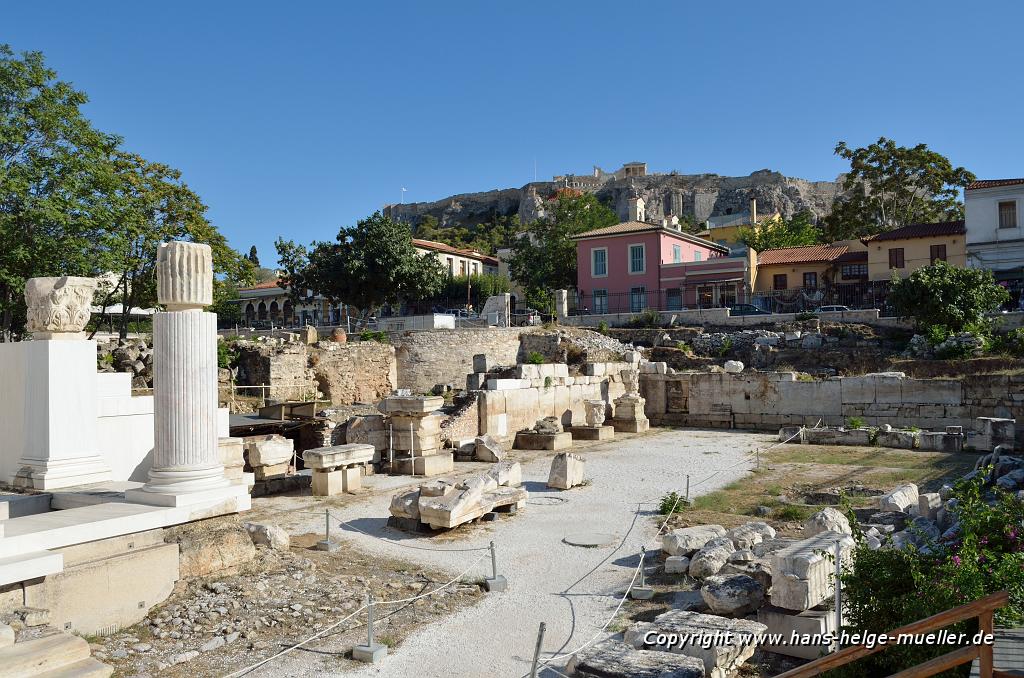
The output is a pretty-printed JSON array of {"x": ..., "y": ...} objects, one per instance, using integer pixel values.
[
  {"x": 769, "y": 400},
  {"x": 363, "y": 372},
  {"x": 433, "y": 357}
]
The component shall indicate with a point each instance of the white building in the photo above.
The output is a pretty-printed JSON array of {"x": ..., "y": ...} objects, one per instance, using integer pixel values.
[
  {"x": 995, "y": 237},
  {"x": 457, "y": 261}
]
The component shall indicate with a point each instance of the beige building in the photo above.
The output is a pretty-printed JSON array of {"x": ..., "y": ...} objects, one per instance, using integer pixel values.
[
  {"x": 458, "y": 261},
  {"x": 907, "y": 249},
  {"x": 810, "y": 267}
]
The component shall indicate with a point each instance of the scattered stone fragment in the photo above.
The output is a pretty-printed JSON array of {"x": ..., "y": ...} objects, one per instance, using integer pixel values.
[
  {"x": 615, "y": 659},
  {"x": 489, "y": 449},
  {"x": 734, "y": 595},
  {"x": 689, "y": 540},
  {"x": 720, "y": 659},
  {"x": 566, "y": 471},
  {"x": 900, "y": 499},
  {"x": 677, "y": 565},
  {"x": 827, "y": 520},
  {"x": 269, "y": 534}
]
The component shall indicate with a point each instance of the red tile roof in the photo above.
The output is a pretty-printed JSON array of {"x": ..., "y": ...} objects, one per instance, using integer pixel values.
[
  {"x": 993, "y": 183},
  {"x": 265, "y": 285},
  {"x": 807, "y": 254},
  {"x": 936, "y": 230},
  {"x": 449, "y": 249},
  {"x": 627, "y": 227}
]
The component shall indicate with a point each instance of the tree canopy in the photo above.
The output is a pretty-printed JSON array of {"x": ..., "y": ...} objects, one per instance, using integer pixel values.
[
  {"x": 781, "y": 232},
  {"x": 370, "y": 264},
  {"x": 890, "y": 186},
  {"x": 949, "y": 297},
  {"x": 545, "y": 259},
  {"x": 72, "y": 202},
  {"x": 486, "y": 238}
]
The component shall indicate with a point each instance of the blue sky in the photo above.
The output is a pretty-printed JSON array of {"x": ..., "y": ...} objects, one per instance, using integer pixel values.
[{"x": 296, "y": 118}]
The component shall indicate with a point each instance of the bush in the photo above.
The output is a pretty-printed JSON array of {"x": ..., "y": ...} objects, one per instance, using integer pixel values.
[
  {"x": 673, "y": 502},
  {"x": 887, "y": 588},
  {"x": 854, "y": 422},
  {"x": 535, "y": 358},
  {"x": 649, "y": 318},
  {"x": 227, "y": 354},
  {"x": 806, "y": 315},
  {"x": 602, "y": 327},
  {"x": 725, "y": 347},
  {"x": 1011, "y": 343},
  {"x": 940, "y": 294},
  {"x": 373, "y": 335}
]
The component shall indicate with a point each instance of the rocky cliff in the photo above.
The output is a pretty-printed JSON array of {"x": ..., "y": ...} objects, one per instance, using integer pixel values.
[{"x": 696, "y": 196}]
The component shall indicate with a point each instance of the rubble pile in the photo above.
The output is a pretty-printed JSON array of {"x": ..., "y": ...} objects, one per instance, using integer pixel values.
[
  {"x": 133, "y": 356},
  {"x": 444, "y": 504}
]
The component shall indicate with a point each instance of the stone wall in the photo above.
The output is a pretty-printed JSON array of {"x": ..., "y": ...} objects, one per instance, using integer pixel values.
[
  {"x": 505, "y": 411},
  {"x": 362, "y": 372},
  {"x": 433, "y": 357},
  {"x": 769, "y": 400},
  {"x": 720, "y": 317}
]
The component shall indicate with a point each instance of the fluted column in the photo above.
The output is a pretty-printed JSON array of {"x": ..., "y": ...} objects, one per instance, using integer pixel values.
[{"x": 186, "y": 458}]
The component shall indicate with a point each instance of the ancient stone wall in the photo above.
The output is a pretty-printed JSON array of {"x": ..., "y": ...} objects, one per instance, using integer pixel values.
[
  {"x": 769, "y": 400},
  {"x": 284, "y": 368},
  {"x": 433, "y": 357},
  {"x": 362, "y": 372}
]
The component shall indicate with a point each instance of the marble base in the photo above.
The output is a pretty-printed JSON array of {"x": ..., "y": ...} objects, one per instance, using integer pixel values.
[
  {"x": 432, "y": 465},
  {"x": 631, "y": 425},
  {"x": 212, "y": 496},
  {"x": 543, "y": 441},
  {"x": 58, "y": 473},
  {"x": 592, "y": 432}
]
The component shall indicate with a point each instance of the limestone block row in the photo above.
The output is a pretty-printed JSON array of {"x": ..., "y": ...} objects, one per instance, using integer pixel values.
[{"x": 553, "y": 370}]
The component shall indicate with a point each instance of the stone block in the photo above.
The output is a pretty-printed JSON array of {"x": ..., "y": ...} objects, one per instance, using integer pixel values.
[
  {"x": 677, "y": 565},
  {"x": 338, "y": 455},
  {"x": 482, "y": 363},
  {"x": 734, "y": 639},
  {"x": 507, "y": 473},
  {"x": 784, "y": 623},
  {"x": 801, "y": 572},
  {"x": 615, "y": 659},
  {"x": 688, "y": 540},
  {"x": 928, "y": 505},
  {"x": 592, "y": 432},
  {"x": 351, "y": 479},
  {"x": 732, "y": 595},
  {"x": 411, "y": 404},
  {"x": 487, "y": 448},
  {"x": 431, "y": 465},
  {"x": 709, "y": 560},
  {"x": 270, "y": 472},
  {"x": 631, "y": 426},
  {"x": 902, "y": 440},
  {"x": 476, "y": 381},
  {"x": 326, "y": 483},
  {"x": 827, "y": 520},
  {"x": 268, "y": 450},
  {"x": 506, "y": 384},
  {"x": 900, "y": 499},
  {"x": 860, "y": 437},
  {"x": 528, "y": 440},
  {"x": 566, "y": 471}
]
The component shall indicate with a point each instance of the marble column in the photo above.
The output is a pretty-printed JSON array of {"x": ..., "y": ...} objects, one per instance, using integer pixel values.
[
  {"x": 187, "y": 464},
  {"x": 48, "y": 390}
]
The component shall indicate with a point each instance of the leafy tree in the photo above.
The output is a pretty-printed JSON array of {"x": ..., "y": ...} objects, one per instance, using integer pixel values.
[
  {"x": 480, "y": 286},
  {"x": 948, "y": 297},
  {"x": 781, "y": 232},
  {"x": 371, "y": 264},
  {"x": 254, "y": 257},
  {"x": 486, "y": 237},
  {"x": 54, "y": 178},
  {"x": 546, "y": 259},
  {"x": 890, "y": 186},
  {"x": 151, "y": 205}
]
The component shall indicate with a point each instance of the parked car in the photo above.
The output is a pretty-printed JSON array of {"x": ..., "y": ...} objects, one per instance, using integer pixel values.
[
  {"x": 747, "y": 309},
  {"x": 525, "y": 317},
  {"x": 829, "y": 309}
]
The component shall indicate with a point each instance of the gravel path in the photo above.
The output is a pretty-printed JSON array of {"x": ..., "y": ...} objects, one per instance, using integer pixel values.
[{"x": 574, "y": 590}]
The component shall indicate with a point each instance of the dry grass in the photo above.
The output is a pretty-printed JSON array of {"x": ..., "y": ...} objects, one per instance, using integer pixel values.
[{"x": 791, "y": 470}]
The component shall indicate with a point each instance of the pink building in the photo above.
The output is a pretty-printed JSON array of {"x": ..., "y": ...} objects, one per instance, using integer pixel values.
[{"x": 636, "y": 265}]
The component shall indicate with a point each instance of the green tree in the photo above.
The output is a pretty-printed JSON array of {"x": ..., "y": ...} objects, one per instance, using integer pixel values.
[
  {"x": 949, "y": 297},
  {"x": 151, "y": 205},
  {"x": 545, "y": 260},
  {"x": 254, "y": 256},
  {"x": 781, "y": 232},
  {"x": 55, "y": 175},
  {"x": 890, "y": 186},
  {"x": 372, "y": 263}
]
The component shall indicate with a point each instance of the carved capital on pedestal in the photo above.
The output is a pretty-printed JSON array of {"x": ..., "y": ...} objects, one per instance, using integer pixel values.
[
  {"x": 58, "y": 307},
  {"x": 184, "y": 275},
  {"x": 631, "y": 380}
]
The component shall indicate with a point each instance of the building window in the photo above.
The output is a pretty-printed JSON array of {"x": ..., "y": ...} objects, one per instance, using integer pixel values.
[
  {"x": 853, "y": 271},
  {"x": 705, "y": 297},
  {"x": 462, "y": 268},
  {"x": 599, "y": 262},
  {"x": 600, "y": 301},
  {"x": 1008, "y": 214},
  {"x": 637, "y": 298},
  {"x": 674, "y": 299},
  {"x": 451, "y": 266},
  {"x": 896, "y": 257},
  {"x": 698, "y": 255},
  {"x": 636, "y": 259},
  {"x": 811, "y": 280},
  {"x": 728, "y": 294},
  {"x": 677, "y": 254},
  {"x": 779, "y": 281},
  {"x": 937, "y": 253}
]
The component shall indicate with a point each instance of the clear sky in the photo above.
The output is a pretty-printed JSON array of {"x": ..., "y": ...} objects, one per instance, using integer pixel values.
[{"x": 294, "y": 118}]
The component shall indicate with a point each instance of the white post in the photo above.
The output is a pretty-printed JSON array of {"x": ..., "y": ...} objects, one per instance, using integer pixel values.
[{"x": 838, "y": 591}]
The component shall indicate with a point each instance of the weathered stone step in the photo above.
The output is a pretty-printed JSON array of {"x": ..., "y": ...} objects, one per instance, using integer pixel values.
[
  {"x": 40, "y": 655},
  {"x": 87, "y": 668}
]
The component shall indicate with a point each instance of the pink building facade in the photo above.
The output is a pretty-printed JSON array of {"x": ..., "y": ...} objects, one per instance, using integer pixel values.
[{"x": 638, "y": 265}]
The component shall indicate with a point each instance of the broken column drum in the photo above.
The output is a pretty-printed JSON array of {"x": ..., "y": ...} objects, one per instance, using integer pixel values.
[{"x": 185, "y": 455}]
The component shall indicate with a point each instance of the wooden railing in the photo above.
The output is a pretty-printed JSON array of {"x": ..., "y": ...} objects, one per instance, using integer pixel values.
[{"x": 982, "y": 609}]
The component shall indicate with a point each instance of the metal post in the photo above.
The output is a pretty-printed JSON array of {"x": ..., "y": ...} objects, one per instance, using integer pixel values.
[
  {"x": 641, "y": 592},
  {"x": 687, "y": 489},
  {"x": 643, "y": 557},
  {"x": 369, "y": 619},
  {"x": 536, "y": 651},
  {"x": 327, "y": 544},
  {"x": 494, "y": 562},
  {"x": 412, "y": 450},
  {"x": 839, "y": 593},
  {"x": 391, "y": 448},
  {"x": 495, "y": 582}
]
